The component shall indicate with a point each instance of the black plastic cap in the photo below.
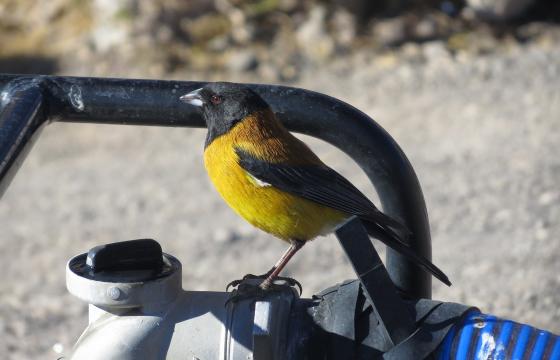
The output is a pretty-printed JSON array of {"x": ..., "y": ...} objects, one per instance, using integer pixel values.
[{"x": 141, "y": 254}]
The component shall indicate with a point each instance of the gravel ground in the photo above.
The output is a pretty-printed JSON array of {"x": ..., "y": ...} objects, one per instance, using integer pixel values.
[{"x": 482, "y": 132}]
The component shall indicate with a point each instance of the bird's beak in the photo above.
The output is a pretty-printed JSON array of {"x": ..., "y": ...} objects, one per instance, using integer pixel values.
[{"x": 193, "y": 98}]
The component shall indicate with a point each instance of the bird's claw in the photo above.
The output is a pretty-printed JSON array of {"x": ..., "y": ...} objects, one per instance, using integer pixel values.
[
  {"x": 244, "y": 289},
  {"x": 233, "y": 284},
  {"x": 245, "y": 292},
  {"x": 248, "y": 291},
  {"x": 236, "y": 283},
  {"x": 286, "y": 281},
  {"x": 265, "y": 285}
]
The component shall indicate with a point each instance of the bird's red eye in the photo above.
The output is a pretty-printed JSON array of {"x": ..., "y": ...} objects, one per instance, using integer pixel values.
[{"x": 216, "y": 99}]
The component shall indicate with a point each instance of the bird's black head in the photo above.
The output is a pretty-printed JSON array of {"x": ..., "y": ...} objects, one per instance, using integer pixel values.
[{"x": 224, "y": 105}]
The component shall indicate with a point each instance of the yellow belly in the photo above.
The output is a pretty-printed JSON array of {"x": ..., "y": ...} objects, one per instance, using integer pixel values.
[{"x": 279, "y": 213}]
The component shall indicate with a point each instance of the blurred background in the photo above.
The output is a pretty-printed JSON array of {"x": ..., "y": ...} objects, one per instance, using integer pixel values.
[{"x": 470, "y": 89}]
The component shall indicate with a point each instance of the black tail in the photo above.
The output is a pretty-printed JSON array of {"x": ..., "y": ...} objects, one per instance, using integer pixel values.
[{"x": 391, "y": 239}]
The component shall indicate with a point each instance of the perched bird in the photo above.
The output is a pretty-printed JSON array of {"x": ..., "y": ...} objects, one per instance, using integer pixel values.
[{"x": 276, "y": 183}]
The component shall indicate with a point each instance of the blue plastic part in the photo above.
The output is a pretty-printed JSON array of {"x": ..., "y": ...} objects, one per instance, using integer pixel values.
[
  {"x": 483, "y": 337},
  {"x": 503, "y": 340},
  {"x": 555, "y": 354},
  {"x": 521, "y": 344},
  {"x": 540, "y": 345}
]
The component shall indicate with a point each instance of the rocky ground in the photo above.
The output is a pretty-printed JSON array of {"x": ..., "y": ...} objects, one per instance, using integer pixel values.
[{"x": 476, "y": 109}]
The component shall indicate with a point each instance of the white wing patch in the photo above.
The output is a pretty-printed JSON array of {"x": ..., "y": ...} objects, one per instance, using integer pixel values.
[{"x": 256, "y": 181}]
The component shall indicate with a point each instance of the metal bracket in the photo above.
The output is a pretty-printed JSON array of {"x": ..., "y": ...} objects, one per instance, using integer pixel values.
[{"x": 395, "y": 316}]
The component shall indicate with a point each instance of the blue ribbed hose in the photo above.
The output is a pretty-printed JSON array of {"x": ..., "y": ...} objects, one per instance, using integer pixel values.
[{"x": 486, "y": 337}]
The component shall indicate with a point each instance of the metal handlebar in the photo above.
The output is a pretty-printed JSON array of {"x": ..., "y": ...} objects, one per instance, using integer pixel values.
[{"x": 29, "y": 102}]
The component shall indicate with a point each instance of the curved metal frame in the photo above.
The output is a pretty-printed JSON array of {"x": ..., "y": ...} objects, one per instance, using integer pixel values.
[{"x": 29, "y": 102}]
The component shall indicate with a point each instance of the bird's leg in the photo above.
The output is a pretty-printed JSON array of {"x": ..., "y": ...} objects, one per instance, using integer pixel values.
[
  {"x": 279, "y": 266},
  {"x": 253, "y": 291},
  {"x": 261, "y": 276},
  {"x": 280, "y": 263}
]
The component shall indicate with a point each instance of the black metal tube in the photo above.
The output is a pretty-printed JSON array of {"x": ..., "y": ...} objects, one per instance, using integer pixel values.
[
  {"x": 21, "y": 118},
  {"x": 154, "y": 102}
]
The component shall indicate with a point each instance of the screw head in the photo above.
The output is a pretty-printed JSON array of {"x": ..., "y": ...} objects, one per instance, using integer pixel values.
[{"x": 114, "y": 293}]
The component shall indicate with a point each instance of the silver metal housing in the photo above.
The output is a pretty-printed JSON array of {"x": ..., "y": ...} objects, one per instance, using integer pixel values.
[{"x": 156, "y": 319}]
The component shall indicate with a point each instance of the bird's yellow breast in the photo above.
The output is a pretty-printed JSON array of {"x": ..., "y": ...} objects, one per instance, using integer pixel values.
[{"x": 279, "y": 213}]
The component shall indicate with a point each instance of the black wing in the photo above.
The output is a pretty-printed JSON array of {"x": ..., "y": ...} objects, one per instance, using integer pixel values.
[
  {"x": 325, "y": 186},
  {"x": 317, "y": 183}
]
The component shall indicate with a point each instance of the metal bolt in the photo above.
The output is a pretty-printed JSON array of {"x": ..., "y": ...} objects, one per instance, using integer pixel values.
[{"x": 114, "y": 292}]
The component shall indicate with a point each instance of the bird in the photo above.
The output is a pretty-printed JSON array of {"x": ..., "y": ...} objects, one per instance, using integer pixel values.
[{"x": 277, "y": 183}]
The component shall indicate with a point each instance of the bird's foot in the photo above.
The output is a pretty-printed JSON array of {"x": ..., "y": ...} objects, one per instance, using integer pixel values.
[
  {"x": 249, "y": 288},
  {"x": 267, "y": 282},
  {"x": 236, "y": 283},
  {"x": 280, "y": 281},
  {"x": 245, "y": 291}
]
